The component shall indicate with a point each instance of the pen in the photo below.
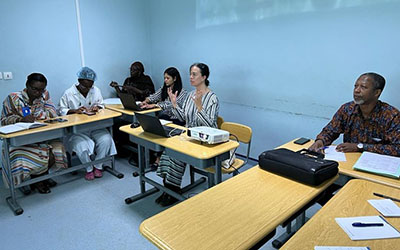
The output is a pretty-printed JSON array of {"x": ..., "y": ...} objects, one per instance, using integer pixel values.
[
  {"x": 386, "y": 197},
  {"x": 361, "y": 224}
]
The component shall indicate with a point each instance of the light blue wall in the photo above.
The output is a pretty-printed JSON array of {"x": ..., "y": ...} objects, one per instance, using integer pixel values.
[
  {"x": 43, "y": 36},
  {"x": 281, "y": 67}
]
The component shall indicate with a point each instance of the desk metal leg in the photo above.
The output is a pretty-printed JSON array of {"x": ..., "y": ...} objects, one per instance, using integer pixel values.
[
  {"x": 112, "y": 169},
  {"x": 12, "y": 200},
  {"x": 218, "y": 171},
  {"x": 142, "y": 166},
  {"x": 281, "y": 240}
]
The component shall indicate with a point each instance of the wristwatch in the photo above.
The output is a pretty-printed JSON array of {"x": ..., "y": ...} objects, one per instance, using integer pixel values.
[{"x": 360, "y": 147}]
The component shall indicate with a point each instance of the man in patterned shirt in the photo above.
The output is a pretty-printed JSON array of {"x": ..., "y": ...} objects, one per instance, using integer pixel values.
[{"x": 366, "y": 123}]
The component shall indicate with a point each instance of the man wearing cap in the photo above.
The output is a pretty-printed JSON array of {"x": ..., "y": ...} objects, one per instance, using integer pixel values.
[{"x": 85, "y": 98}]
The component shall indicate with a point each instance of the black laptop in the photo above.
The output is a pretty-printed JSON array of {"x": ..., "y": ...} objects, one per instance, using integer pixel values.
[
  {"x": 129, "y": 101},
  {"x": 152, "y": 124}
]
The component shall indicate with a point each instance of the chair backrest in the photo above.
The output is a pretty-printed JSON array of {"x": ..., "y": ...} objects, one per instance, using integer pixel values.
[
  {"x": 242, "y": 132},
  {"x": 220, "y": 120}
]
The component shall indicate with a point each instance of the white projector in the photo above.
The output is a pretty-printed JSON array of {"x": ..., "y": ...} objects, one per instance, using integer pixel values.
[{"x": 209, "y": 135}]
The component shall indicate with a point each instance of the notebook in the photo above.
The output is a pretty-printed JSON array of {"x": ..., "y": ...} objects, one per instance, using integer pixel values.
[
  {"x": 19, "y": 126},
  {"x": 152, "y": 124},
  {"x": 379, "y": 164}
]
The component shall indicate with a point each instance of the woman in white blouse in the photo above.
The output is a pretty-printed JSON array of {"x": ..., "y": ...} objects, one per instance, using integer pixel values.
[{"x": 200, "y": 108}]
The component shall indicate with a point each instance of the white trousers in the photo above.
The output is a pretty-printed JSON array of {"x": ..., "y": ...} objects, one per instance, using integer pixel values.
[{"x": 98, "y": 142}]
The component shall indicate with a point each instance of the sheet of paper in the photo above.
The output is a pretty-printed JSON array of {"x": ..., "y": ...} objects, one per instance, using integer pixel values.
[
  {"x": 367, "y": 233},
  {"x": 164, "y": 122},
  {"x": 112, "y": 101},
  {"x": 340, "y": 248},
  {"x": 332, "y": 154},
  {"x": 380, "y": 164},
  {"x": 386, "y": 207}
]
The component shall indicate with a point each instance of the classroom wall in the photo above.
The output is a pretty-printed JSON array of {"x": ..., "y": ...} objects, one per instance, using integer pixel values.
[
  {"x": 281, "y": 67},
  {"x": 42, "y": 36}
]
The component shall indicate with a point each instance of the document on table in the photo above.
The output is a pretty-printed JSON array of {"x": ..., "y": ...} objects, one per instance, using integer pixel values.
[
  {"x": 340, "y": 248},
  {"x": 370, "y": 232},
  {"x": 386, "y": 207},
  {"x": 379, "y": 164},
  {"x": 332, "y": 154}
]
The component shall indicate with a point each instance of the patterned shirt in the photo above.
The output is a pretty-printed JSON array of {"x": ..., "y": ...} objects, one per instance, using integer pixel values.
[
  {"x": 166, "y": 105},
  {"x": 380, "y": 133},
  {"x": 206, "y": 117},
  {"x": 41, "y": 108}
]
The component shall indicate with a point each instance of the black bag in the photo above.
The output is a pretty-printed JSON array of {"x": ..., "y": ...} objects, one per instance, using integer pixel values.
[{"x": 304, "y": 166}]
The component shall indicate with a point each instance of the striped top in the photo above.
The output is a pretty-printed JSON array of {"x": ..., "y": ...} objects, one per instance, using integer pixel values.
[
  {"x": 206, "y": 117},
  {"x": 166, "y": 105},
  {"x": 41, "y": 108}
]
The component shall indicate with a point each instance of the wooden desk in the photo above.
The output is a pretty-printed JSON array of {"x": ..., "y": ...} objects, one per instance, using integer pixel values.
[
  {"x": 76, "y": 123},
  {"x": 350, "y": 201},
  {"x": 346, "y": 168},
  {"x": 235, "y": 214},
  {"x": 181, "y": 148}
]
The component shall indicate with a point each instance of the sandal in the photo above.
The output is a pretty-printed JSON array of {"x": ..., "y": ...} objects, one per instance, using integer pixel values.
[
  {"x": 154, "y": 166},
  {"x": 50, "y": 182}
]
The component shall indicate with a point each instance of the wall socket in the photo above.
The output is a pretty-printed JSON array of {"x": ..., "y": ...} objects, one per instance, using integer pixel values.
[
  {"x": 8, "y": 75},
  {"x": 1, "y": 76}
]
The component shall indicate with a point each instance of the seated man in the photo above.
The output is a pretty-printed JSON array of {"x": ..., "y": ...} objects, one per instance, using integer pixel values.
[
  {"x": 32, "y": 160},
  {"x": 82, "y": 98},
  {"x": 367, "y": 124}
]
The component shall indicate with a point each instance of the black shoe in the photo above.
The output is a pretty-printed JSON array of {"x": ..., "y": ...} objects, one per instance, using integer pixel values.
[
  {"x": 50, "y": 182},
  {"x": 132, "y": 161},
  {"x": 161, "y": 198},
  {"x": 153, "y": 167},
  {"x": 168, "y": 201},
  {"x": 41, "y": 187}
]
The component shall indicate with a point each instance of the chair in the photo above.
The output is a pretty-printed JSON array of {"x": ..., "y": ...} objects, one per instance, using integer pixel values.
[
  {"x": 220, "y": 120},
  {"x": 239, "y": 132}
]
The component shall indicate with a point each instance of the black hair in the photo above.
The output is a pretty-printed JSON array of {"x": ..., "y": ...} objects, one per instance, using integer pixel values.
[
  {"x": 379, "y": 81},
  {"x": 204, "y": 70},
  {"x": 174, "y": 73},
  {"x": 36, "y": 77},
  {"x": 138, "y": 66}
]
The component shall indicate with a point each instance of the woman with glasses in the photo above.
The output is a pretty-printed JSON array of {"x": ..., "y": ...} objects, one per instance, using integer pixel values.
[
  {"x": 33, "y": 160},
  {"x": 85, "y": 98}
]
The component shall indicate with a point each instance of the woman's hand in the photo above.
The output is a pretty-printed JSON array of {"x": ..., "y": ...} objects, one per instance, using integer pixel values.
[
  {"x": 148, "y": 106},
  {"x": 197, "y": 100},
  {"x": 172, "y": 96},
  {"x": 114, "y": 84}
]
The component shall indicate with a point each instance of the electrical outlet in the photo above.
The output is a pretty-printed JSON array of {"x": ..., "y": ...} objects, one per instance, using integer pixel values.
[
  {"x": 1, "y": 76},
  {"x": 8, "y": 75}
]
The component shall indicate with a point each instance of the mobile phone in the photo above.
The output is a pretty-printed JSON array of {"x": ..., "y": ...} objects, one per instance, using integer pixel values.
[{"x": 301, "y": 141}]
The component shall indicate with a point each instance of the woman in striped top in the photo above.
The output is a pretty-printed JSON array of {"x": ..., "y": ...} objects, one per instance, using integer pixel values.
[
  {"x": 200, "y": 108},
  {"x": 172, "y": 80}
]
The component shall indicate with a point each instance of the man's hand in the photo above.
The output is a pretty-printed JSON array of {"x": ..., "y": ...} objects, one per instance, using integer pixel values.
[
  {"x": 28, "y": 118},
  {"x": 347, "y": 147},
  {"x": 317, "y": 146}
]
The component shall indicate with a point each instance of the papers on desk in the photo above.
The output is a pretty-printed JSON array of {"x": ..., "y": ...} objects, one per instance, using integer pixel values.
[
  {"x": 332, "y": 154},
  {"x": 340, "y": 248},
  {"x": 112, "y": 101},
  {"x": 19, "y": 126},
  {"x": 164, "y": 122},
  {"x": 379, "y": 164},
  {"x": 386, "y": 207},
  {"x": 370, "y": 232}
]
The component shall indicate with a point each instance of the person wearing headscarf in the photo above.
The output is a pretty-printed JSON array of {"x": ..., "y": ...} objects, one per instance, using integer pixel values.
[
  {"x": 85, "y": 98},
  {"x": 138, "y": 84},
  {"x": 32, "y": 160}
]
